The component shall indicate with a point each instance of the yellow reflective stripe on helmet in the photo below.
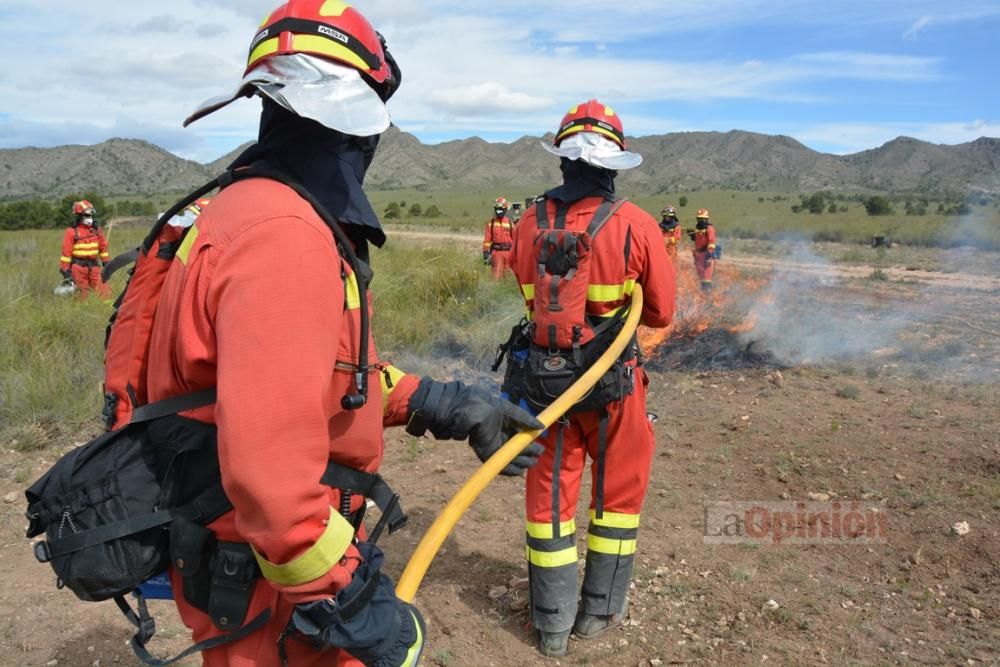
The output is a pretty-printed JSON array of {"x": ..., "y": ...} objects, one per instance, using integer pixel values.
[
  {"x": 315, "y": 561},
  {"x": 559, "y": 558},
  {"x": 528, "y": 290},
  {"x": 352, "y": 300},
  {"x": 610, "y": 292},
  {"x": 615, "y": 520},
  {"x": 413, "y": 654},
  {"x": 593, "y": 128},
  {"x": 607, "y": 545},
  {"x": 543, "y": 531},
  {"x": 323, "y": 46},
  {"x": 185, "y": 249},
  {"x": 333, "y": 8},
  {"x": 65, "y": 259},
  {"x": 265, "y": 48}
]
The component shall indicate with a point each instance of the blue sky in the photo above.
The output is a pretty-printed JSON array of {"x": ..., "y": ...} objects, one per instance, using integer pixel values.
[{"x": 840, "y": 76}]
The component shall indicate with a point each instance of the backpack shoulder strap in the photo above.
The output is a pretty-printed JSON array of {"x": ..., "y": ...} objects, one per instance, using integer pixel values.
[
  {"x": 604, "y": 214},
  {"x": 173, "y": 405}
]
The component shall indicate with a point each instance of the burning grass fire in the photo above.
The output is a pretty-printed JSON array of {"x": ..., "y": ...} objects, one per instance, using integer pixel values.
[{"x": 711, "y": 330}]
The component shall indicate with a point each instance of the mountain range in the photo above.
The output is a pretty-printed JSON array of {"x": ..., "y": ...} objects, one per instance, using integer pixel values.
[{"x": 677, "y": 161}]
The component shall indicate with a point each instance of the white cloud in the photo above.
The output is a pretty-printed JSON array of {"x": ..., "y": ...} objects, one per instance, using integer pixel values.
[
  {"x": 851, "y": 137},
  {"x": 487, "y": 98},
  {"x": 917, "y": 26}
]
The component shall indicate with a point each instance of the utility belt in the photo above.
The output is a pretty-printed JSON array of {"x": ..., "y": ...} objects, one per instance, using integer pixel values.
[
  {"x": 79, "y": 261},
  {"x": 219, "y": 577},
  {"x": 538, "y": 375},
  {"x": 500, "y": 246}
]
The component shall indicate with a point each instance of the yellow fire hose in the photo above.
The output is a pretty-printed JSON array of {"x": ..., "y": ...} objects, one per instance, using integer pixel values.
[{"x": 416, "y": 568}]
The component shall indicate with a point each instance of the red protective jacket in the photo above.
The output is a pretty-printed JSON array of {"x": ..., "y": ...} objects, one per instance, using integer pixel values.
[
  {"x": 672, "y": 238},
  {"x": 704, "y": 239},
  {"x": 497, "y": 236},
  {"x": 255, "y": 305},
  {"x": 86, "y": 245}
]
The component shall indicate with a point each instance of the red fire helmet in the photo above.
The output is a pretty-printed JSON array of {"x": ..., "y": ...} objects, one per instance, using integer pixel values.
[
  {"x": 593, "y": 116},
  {"x": 83, "y": 207}
]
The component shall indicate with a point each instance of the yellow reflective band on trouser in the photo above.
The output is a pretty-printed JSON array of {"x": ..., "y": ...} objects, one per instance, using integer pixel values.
[
  {"x": 610, "y": 292},
  {"x": 185, "y": 249},
  {"x": 559, "y": 558},
  {"x": 389, "y": 376},
  {"x": 315, "y": 561},
  {"x": 615, "y": 520},
  {"x": 413, "y": 655},
  {"x": 352, "y": 299},
  {"x": 607, "y": 545},
  {"x": 543, "y": 531}
]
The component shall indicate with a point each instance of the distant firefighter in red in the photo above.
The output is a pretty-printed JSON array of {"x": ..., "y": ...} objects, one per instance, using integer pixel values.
[
  {"x": 704, "y": 249},
  {"x": 497, "y": 239},
  {"x": 670, "y": 226}
]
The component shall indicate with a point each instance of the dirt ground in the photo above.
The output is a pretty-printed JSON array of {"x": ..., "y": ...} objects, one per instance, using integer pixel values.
[{"x": 912, "y": 429}]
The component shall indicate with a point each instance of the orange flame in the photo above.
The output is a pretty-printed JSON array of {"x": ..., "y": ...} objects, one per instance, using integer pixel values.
[{"x": 696, "y": 310}]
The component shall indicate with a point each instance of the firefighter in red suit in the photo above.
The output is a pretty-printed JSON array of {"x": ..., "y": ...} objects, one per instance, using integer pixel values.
[
  {"x": 281, "y": 344},
  {"x": 618, "y": 438},
  {"x": 703, "y": 237},
  {"x": 84, "y": 252},
  {"x": 497, "y": 239},
  {"x": 671, "y": 229}
]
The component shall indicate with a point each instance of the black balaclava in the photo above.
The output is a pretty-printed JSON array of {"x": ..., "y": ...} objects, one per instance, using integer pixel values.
[
  {"x": 583, "y": 180},
  {"x": 702, "y": 224},
  {"x": 669, "y": 222},
  {"x": 329, "y": 164}
]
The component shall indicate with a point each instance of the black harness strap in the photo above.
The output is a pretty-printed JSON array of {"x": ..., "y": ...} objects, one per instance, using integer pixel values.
[{"x": 118, "y": 263}]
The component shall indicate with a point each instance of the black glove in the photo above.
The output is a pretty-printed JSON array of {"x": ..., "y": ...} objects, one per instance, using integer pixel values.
[
  {"x": 456, "y": 411},
  {"x": 486, "y": 257},
  {"x": 67, "y": 274},
  {"x": 366, "y": 619}
]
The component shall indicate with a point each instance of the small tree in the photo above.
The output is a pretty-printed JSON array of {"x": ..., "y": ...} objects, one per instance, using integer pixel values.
[
  {"x": 432, "y": 211},
  {"x": 833, "y": 208},
  {"x": 683, "y": 201},
  {"x": 415, "y": 211},
  {"x": 815, "y": 203},
  {"x": 391, "y": 211},
  {"x": 878, "y": 205}
]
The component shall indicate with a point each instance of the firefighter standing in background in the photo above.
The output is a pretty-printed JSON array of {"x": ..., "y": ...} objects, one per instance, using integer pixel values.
[
  {"x": 703, "y": 236},
  {"x": 261, "y": 304},
  {"x": 497, "y": 238},
  {"x": 624, "y": 249},
  {"x": 84, "y": 252},
  {"x": 670, "y": 226}
]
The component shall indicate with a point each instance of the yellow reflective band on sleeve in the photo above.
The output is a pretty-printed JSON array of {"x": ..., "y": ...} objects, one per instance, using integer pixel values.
[
  {"x": 185, "y": 249},
  {"x": 322, "y": 45},
  {"x": 104, "y": 255},
  {"x": 711, "y": 246},
  {"x": 610, "y": 292},
  {"x": 394, "y": 376},
  {"x": 352, "y": 300},
  {"x": 528, "y": 290},
  {"x": 413, "y": 655},
  {"x": 560, "y": 558},
  {"x": 543, "y": 531},
  {"x": 315, "y": 561},
  {"x": 615, "y": 520},
  {"x": 65, "y": 259},
  {"x": 265, "y": 48},
  {"x": 606, "y": 545}
]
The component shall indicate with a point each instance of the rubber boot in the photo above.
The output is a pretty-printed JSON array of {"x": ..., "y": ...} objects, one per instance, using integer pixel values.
[
  {"x": 589, "y": 626},
  {"x": 553, "y": 644}
]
